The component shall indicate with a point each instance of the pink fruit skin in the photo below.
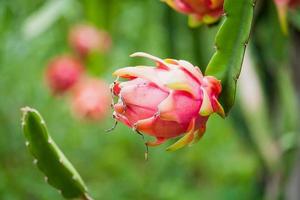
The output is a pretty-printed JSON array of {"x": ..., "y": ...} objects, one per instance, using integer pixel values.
[
  {"x": 206, "y": 11},
  {"x": 90, "y": 99},
  {"x": 85, "y": 39},
  {"x": 62, "y": 74},
  {"x": 166, "y": 101}
]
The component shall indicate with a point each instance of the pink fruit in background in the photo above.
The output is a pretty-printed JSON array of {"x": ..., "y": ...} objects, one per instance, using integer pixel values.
[
  {"x": 282, "y": 8},
  {"x": 91, "y": 99},
  {"x": 199, "y": 11},
  {"x": 166, "y": 101},
  {"x": 62, "y": 73},
  {"x": 86, "y": 39},
  {"x": 289, "y": 3}
]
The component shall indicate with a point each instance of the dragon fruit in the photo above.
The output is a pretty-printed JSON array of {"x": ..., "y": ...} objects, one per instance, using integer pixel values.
[
  {"x": 170, "y": 100},
  {"x": 199, "y": 11},
  {"x": 63, "y": 73},
  {"x": 86, "y": 39},
  {"x": 90, "y": 99}
]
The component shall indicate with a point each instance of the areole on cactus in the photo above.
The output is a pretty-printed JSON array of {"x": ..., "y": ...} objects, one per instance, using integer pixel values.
[
  {"x": 166, "y": 101},
  {"x": 199, "y": 11}
]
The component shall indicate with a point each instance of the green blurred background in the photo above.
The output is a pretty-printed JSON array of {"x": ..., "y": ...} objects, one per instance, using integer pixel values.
[{"x": 223, "y": 165}]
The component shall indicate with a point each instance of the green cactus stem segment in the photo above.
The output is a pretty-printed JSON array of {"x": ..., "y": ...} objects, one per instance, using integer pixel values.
[
  {"x": 230, "y": 42},
  {"x": 58, "y": 170}
]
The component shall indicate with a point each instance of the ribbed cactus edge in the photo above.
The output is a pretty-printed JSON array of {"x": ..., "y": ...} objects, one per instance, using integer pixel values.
[
  {"x": 58, "y": 170},
  {"x": 230, "y": 43}
]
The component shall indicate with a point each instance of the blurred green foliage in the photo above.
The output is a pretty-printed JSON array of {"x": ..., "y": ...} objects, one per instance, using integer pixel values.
[{"x": 220, "y": 166}]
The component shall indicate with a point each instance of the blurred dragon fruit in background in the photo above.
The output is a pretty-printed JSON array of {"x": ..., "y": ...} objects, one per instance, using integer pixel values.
[
  {"x": 91, "y": 99},
  {"x": 85, "y": 39},
  {"x": 62, "y": 74},
  {"x": 282, "y": 9},
  {"x": 166, "y": 101},
  {"x": 288, "y": 3},
  {"x": 199, "y": 11}
]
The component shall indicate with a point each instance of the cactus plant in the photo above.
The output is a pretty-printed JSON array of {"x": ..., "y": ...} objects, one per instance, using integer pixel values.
[
  {"x": 230, "y": 43},
  {"x": 58, "y": 170}
]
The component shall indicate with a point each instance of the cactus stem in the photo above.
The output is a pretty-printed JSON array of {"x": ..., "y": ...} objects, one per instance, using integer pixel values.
[
  {"x": 231, "y": 40},
  {"x": 58, "y": 170}
]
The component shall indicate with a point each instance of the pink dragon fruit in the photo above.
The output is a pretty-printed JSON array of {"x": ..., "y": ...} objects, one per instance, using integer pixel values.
[
  {"x": 199, "y": 11},
  {"x": 62, "y": 73},
  {"x": 86, "y": 39},
  {"x": 166, "y": 101},
  {"x": 90, "y": 99}
]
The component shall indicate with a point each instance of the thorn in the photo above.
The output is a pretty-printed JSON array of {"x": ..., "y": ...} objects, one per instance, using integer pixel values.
[
  {"x": 143, "y": 138},
  {"x": 60, "y": 160},
  {"x": 43, "y": 122},
  {"x": 46, "y": 179},
  {"x": 147, "y": 152},
  {"x": 113, "y": 127},
  {"x": 27, "y": 143},
  {"x": 50, "y": 141},
  {"x": 74, "y": 177},
  {"x": 59, "y": 191},
  {"x": 35, "y": 161}
]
